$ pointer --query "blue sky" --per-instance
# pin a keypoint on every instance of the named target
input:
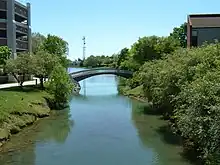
(110, 25)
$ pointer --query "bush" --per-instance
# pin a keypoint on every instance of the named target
(198, 115)
(60, 86)
(186, 86)
(5, 53)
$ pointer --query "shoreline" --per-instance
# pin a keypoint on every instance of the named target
(23, 121)
(21, 108)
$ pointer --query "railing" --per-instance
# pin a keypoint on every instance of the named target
(21, 10)
(23, 45)
(3, 25)
(3, 41)
(92, 69)
(100, 70)
(21, 28)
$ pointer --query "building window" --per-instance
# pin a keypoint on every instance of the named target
(194, 38)
(194, 33)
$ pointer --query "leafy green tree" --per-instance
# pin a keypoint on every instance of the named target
(37, 42)
(57, 46)
(91, 61)
(180, 33)
(60, 86)
(122, 56)
(5, 53)
(152, 48)
(43, 64)
(21, 66)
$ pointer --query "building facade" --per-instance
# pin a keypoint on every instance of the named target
(15, 26)
(202, 28)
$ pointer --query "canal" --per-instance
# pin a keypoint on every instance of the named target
(100, 128)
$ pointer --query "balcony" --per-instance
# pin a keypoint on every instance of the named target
(3, 5)
(22, 45)
(21, 11)
(21, 28)
(3, 26)
(3, 41)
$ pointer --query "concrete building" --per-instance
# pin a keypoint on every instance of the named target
(15, 26)
(201, 28)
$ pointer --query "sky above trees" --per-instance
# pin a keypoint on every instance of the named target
(112, 24)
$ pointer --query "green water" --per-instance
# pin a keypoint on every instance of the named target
(100, 128)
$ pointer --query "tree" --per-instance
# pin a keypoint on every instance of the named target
(60, 86)
(37, 42)
(5, 53)
(180, 33)
(56, 46)
(21, 66)
(122, 56)
(43, 64)
(91, 61)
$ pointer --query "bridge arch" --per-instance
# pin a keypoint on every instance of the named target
(81, 75)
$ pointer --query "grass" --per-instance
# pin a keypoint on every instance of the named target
(138, 91)
(19, 108)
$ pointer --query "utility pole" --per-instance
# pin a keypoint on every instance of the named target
(84, 47)
(84, 57)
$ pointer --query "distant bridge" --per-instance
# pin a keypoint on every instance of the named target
(81, 75)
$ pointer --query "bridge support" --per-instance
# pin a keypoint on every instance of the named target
(77, 88)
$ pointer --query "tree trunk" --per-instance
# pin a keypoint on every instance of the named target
(22, 81)
(42, 82)
(19, 82)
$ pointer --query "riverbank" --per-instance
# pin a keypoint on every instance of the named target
(20, 108)
(138, 94)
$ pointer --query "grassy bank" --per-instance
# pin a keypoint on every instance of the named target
(136, 93)
(20, 108)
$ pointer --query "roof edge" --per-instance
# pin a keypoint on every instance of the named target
(204, 15)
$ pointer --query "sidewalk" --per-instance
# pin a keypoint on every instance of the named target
(33, 82)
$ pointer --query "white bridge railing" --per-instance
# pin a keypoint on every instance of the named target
(100, 70)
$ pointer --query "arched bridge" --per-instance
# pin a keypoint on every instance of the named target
(81, 75)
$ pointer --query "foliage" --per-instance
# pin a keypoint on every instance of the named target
(186, 86)
(5, 53)
(180, 34)
(21, 66)
(92, 61)
(122, 56)
(37, 42)
(183, 84)
(147, 49)
(100, 61)
(151, 48)
(43, 64)
(60, 86)
(56, 46)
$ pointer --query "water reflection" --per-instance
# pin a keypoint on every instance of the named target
(155, 134)
(107, 130)
(55, 128)
(21, 149)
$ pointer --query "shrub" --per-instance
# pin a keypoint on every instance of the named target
(186, 86)
(5, 53)
(60, 86)
(198, 115)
